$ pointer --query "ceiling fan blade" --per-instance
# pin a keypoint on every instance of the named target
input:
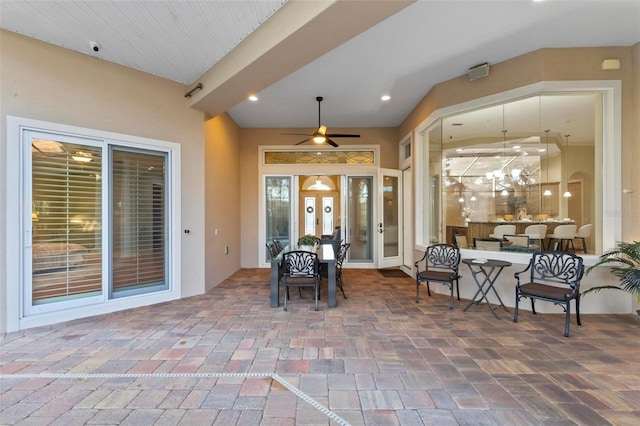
(303, 141)
(332, 143)
(341, 135)
(297, 134)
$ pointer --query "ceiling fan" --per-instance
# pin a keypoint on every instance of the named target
(321, 135)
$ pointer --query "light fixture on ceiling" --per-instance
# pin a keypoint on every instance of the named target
(319, 186)
(253, 98)
(547, 192)
(473, 197)
(319, 138)
(567, 194)
(461, 199)
(385, 97)
(82, 157)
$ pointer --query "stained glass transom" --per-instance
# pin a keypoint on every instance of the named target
(319, 157)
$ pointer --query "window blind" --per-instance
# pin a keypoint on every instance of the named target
(66, 190)
(138, 262)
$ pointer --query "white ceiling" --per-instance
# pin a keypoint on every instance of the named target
(404, 56)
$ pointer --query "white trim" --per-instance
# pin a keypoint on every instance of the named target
(611, 91)
(15, 317)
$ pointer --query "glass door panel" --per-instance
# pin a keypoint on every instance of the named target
(66, 221)
(360, 218)
(278, 210)
(138, 222)
(390, 219)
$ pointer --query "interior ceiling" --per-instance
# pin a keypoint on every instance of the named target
(351, 53)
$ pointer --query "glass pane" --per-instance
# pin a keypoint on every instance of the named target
(432, 138)
(278, 209)
(360, 218)
(309, 215)
(66, 220)
(138, 220)
(512, 163)
(390, 211)
(319, 157)
(327, 215)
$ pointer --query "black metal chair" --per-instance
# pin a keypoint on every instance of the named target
(301, 270)
(340, 258)
(554, 276)
(441, 263)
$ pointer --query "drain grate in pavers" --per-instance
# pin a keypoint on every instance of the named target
(294, 390)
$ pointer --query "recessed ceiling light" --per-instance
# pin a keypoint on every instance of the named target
(253, 98)
(385, 97)
(541, 150)
(516, 147)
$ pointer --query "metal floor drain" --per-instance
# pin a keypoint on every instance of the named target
(303, 396)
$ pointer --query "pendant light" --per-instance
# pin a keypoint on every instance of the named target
(504, 192)
(547, 192)
(567, 194)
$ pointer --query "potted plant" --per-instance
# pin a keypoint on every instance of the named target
(626, 266)
(307, 242)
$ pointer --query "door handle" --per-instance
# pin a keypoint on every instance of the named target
(317, 221)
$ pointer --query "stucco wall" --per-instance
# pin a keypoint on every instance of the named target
(44, 82)
(222, 199)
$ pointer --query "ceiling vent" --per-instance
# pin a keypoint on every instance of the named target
(478, 71)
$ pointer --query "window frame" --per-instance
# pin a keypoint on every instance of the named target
(608, 154)
(16, 317)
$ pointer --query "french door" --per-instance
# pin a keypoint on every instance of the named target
(390, 219)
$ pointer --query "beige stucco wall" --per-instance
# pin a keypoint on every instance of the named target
(44, 82)
(251, 139)
(222, 199)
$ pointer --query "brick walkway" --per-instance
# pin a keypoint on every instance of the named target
(379, 358)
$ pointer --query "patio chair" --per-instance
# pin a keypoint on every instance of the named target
(301, 270)
(441, 263)
(340, 258)
(554, 276)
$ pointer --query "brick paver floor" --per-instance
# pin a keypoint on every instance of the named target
(379, 358)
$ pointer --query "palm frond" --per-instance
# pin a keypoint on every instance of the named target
(625, 261)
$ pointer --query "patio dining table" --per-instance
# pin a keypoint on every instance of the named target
(326, 256)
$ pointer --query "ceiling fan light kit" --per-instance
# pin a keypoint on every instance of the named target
(321, 136)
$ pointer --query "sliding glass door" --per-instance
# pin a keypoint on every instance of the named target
(95, 217)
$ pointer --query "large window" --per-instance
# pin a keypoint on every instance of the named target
(537, 159)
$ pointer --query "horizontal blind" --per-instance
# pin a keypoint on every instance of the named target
(138, 220)
(66, 221)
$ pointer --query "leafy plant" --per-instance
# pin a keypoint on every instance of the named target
(624, 254)
(307, 240)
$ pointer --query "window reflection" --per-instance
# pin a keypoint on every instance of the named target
(494, 164)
